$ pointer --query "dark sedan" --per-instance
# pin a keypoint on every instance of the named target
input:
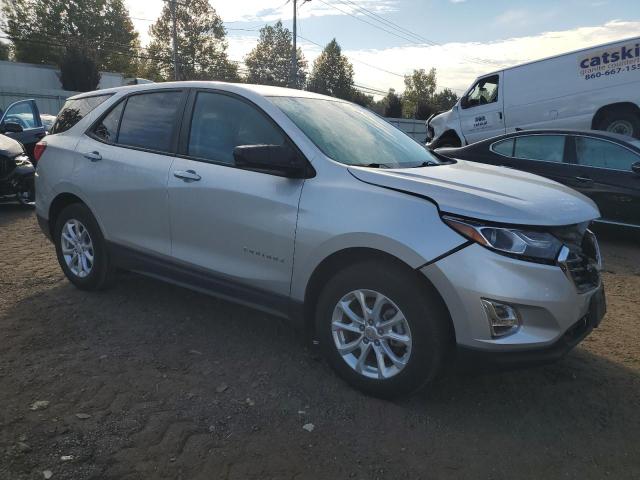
(603, 166)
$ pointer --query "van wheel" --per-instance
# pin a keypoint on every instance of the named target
(449, 142)
(81, 249)
(622, 122)
(381, 329)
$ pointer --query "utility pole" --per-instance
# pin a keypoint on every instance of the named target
(294, 51)
(174, 34)
(293, 77)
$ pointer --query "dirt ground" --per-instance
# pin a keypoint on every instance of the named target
(148, 380)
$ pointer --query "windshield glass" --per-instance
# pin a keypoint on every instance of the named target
(352, 135)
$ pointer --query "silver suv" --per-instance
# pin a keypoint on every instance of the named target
(314, 209)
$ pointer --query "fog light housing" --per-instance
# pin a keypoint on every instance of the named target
(503, 318)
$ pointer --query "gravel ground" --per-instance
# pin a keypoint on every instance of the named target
(148, 380)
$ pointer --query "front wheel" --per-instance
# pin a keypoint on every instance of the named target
(26, 193)
(382, 329)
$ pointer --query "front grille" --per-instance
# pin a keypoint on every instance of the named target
(582, 263)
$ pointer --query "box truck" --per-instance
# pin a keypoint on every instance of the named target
(597, 88)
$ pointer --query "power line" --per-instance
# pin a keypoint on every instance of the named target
(405, 33)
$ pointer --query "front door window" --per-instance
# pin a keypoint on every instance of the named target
(485, 91)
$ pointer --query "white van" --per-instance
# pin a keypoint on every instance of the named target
(592, 89)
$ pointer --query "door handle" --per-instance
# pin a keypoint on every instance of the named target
(93, 156)
(187, 175)
(584, 179)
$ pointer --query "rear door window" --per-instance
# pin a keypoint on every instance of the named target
(593, 152)
(548, 148)
(148, 120)
(75, 110)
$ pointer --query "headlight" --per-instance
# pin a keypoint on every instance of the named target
(22, 160)
(522, 243)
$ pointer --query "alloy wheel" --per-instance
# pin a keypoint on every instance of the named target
(77, 248)
(371, 334)
(621, 127)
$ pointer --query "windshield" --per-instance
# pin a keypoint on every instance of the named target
(352, 135)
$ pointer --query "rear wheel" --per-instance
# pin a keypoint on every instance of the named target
(381, 329)
(621, 121)
(81, 249)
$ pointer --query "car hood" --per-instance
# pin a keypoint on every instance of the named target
(485, 192)
(9, 147)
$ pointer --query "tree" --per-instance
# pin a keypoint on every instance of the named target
(4, 51)
(202, 45)
(78, 70)
(417, 99)
(269, 63)
(361, 98)
(444, 100)
(41, 31)
(392, 105)
(332, 73)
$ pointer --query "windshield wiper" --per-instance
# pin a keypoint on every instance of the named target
(375, 165)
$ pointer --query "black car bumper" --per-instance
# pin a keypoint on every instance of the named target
(474, 359)
(44, 226)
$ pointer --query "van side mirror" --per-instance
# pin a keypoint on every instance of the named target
(635, 168)
(273, 159)
(464, 102)
(11, 127)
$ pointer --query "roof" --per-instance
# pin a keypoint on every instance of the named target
(241, 88)
(629, 141)
(572, 52)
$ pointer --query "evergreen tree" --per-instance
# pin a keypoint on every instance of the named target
(269, 63)
(332, 73)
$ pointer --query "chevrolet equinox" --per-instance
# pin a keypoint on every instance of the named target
(312, 208)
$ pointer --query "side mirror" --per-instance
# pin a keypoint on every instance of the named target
(11, 127)
(274, 159)
(635, 168)
(464, 102)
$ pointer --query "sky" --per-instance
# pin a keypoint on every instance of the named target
(386, 39)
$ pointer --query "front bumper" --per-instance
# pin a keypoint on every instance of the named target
(471, 358)
(554, 315)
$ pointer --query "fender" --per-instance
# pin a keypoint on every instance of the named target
(373, 217)
(446, 122)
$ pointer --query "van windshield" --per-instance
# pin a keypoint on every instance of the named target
(352, 135)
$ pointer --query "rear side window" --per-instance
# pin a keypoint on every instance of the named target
(220, 123)
(75, 110)
(107, 128)
(505, 147)
(549, 148)
(148, 120)
(600, 153)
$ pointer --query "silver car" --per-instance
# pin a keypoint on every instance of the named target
(396, 260)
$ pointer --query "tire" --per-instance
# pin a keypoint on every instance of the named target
(449, 142)
(100, 272)
(623, 121)
(27, 197)
(429, 328)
